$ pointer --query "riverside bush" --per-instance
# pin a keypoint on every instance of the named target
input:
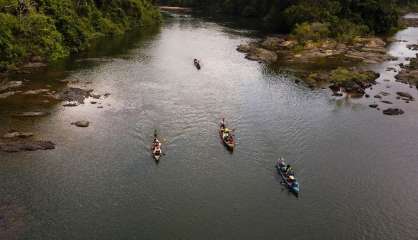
(53, 29)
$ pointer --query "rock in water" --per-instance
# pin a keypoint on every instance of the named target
(405, 95)
(31, 114)
(263, 55)
(83, 124)
(25, 145)
(245, 48)
(70, 104)
(75, 94)
(10, 85)
(393, 111)
(373, 105)
(15, 134)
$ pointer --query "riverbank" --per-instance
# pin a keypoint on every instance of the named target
(287, 51)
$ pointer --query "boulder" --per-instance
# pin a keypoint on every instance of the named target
(95, 96)
(373, 105)
(272, 43)
(245, 48)
(82, 124)
(72, 94)
(263, 55)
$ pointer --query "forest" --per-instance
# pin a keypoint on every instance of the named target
(354, 16)
(47, 30)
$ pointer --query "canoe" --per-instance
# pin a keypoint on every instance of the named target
(292, 186)
(197, 64)
(229, 144)
(155, 154)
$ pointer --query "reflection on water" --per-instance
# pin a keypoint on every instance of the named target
(357, 168)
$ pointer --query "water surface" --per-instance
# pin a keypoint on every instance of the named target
(357, 168)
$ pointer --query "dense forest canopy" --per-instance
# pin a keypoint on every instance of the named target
(52, 29)
(371, 16)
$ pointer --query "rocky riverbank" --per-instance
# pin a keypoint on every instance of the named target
(15, 141)
(69, 93)
(351, 80)
(273, 48)
(345, 67)
(409, 72)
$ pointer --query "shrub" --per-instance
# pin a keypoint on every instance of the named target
(311, 32)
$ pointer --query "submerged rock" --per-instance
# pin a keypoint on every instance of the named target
(11, 146)
(70, 104)
(405, 95)
(31, 114)
(15, 134)
(393, 111)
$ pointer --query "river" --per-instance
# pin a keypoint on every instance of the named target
(357, 168)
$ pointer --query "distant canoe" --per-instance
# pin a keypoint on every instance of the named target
(197, 64)
(230, 144)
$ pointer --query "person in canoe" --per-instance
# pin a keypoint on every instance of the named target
(156, 147)
(289, 170)
(226, 134)
(197, 63)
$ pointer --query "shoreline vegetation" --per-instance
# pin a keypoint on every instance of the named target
(338, 33)
(306, 46)
(34, 33)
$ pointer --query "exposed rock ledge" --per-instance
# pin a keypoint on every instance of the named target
(367, 50)
(14, 141)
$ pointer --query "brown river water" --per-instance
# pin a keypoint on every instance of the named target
(357, 168)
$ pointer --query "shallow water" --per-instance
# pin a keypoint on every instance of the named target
(357, 168)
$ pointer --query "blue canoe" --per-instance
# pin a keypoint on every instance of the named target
(293, 186)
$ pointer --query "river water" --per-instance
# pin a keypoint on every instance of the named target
(357, 168)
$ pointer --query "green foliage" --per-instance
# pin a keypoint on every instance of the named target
(342, 76)
(366, 16)
(53, 29)
(311, 31)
